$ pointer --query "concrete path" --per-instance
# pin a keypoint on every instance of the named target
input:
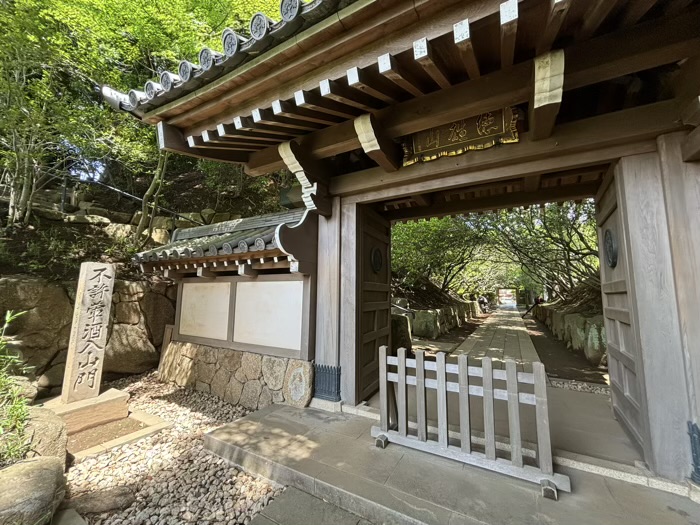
(332, 456)
(295, 507)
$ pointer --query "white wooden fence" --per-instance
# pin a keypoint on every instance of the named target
(466, 452)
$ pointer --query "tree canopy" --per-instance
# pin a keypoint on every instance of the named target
(551, 248)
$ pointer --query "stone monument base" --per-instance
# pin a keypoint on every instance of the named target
(109, 406)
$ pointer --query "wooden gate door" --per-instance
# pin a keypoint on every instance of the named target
(624, 356)
(374, 299)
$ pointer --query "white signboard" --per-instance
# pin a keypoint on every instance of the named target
(204, 310)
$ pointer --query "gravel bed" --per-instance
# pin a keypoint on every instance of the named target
(580, 386)
(173, 478)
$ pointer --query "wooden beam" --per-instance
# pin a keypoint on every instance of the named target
(635, 11)
(691, 147)
(423, 54)
(506, 200)
(644, 46)
(595, 16)
(557, 13)
(246, 270)
(311, 174)
(349, 96)
(312, 101)
(212, 137)
(532, 183)
(204, 272)
(593, 141)
(171, 139)
(509, 32)
(375, 85)
(248, 124)
(691, 113)
(285, 109)
(547, 93)
(381, 149)
(465, 47)
(399, 76)
(198, 142)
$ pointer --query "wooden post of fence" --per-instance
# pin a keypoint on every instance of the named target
(383, 391)
(516, 451)
(401, 395)
(464, 422)
(442, 399)
(489, 424)
(420, 396)
(544, 445)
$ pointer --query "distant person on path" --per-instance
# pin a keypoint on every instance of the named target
(538, 300)
(483, 304)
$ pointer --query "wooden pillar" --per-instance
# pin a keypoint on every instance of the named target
(328, 304)
(349, 225)
(641, 200)
(681, 187)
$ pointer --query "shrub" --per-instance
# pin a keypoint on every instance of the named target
(14, 409)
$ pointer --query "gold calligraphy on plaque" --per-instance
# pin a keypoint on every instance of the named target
(474, 133)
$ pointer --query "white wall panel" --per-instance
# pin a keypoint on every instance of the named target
(205, 309)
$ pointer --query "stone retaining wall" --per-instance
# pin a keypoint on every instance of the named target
(581, 333)
(432, 323)
(140, 312)
(251, 380)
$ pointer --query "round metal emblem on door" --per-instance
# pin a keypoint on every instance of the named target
(376, 259)
(610, 243)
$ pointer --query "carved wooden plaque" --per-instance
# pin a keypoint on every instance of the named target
(88, 337)
(474, 133)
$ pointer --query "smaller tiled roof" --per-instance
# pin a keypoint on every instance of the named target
(240, 236)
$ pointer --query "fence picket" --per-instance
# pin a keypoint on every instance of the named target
(383, 394)
(489, 423)
(544, 446)
(442, 400)
(401, 395)
(421, 415)
(464, 423)
(516, 451)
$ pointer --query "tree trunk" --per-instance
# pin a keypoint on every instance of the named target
(154, 186)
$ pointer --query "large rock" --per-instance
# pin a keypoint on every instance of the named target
(575, 331)
(129, 351)
(298, 383)
(27, 389)
(31, 491)
(208, 215)
(127, 313)
(234, 391)
(220, 381)
(119, 232)
(47, 433)
(99, 501)
(427, 324)
(273, 370)
(400, 332)
(45, 327)
(158, 312)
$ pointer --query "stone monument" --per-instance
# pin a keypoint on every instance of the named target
(88, 338)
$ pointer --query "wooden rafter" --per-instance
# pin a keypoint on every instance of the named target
(398, 75)
(635, 11)
(425, 57)
(171, 139)
(230, 131)
(267, 116)
(465, 47)
(595, 16)
(286, 109)
(547, 93)
(375, 85)
(558, 10)
(349, 96)
(248, 124)
(509, 32)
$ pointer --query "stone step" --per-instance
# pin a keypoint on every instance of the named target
(295, 507)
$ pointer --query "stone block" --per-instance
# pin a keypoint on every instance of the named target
(202, 387)
(251, 394)
(575, 331)
(273, 371)
(160, 236)
(120, 218)
(163, 223)
(220, 381)
(298, 383)
(426, 324)
(229, 359)
(119, 232)
(400, 301)
(31, 491)
(27, 389)
(233, 391)
(188, 220)
(400, 332)
(87, 219)
(265, 397)
(251, 364)
(204, 372)
(111, 405)
(208, 214)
